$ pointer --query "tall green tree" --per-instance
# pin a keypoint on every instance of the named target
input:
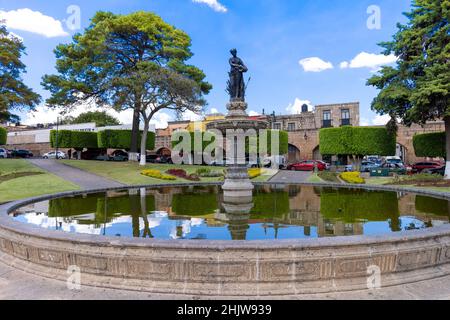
(101, 119)
(14, 94)
(417, 89)
(133, 61)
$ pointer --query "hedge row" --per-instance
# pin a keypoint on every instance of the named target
(74, 139)
(208, 139)
(430, 145)
(108, 139)
(3, 136)
(357, 141)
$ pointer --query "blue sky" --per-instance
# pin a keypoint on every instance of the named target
(272, 37)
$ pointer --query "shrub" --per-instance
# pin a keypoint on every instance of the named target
(3, 136)
(208, 173)
(157, 175)
(357, 141)
(180, 173)
(74, 139)
(121, 139)
(255, 172)
(328, 176)
(352, 177)
(430, 145)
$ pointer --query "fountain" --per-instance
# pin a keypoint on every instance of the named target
(235, 128)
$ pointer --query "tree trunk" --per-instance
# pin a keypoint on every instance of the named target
(143, 161)
(133, 154)
(447, 144)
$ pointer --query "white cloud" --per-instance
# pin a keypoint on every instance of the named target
(364, 122)
(161, 120)
(381, 120)
(369, 60)
(253, 114)
(315, 64)
(34, 22)
(45, 114)
(214, 111)
(296, 107)
(192, 116)
(213, 4)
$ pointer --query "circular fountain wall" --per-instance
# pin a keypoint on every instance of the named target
(286, 240)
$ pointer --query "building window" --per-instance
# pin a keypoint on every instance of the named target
(326, 119)
(277, 126)
(345, 117)
(291, 126)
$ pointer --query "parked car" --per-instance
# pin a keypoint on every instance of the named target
(22, 154)
(280, 162)
(396, 160)
(164, 160)
(439, 170)
(3, 153)
(397, 168)
(52, 155)
(421, 166)
(327, 165)
(103, 157)
(307, 166)
(366, 166)
(119, 155)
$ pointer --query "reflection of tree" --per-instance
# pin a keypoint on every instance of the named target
(198, 202)
(268, 205)
(438, 207)
(147, 231)
(353, 206)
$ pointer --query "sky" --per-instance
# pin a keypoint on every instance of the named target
(297, 51)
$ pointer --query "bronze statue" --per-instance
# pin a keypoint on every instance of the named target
(236, 84)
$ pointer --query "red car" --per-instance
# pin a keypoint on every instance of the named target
(307, 166)
(420, 166)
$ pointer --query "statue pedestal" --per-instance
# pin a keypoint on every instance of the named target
(237, 182)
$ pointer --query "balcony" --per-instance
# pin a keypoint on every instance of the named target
(346, 122)
(326, 124)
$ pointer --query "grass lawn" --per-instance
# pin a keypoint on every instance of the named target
(130, 173)
(39, 183)
(314, 179)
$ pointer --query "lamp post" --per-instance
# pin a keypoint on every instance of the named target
(57, 142)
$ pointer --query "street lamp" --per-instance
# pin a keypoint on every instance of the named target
(57, 142)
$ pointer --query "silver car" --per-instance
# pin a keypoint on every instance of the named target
(52, 155)
(3, 153)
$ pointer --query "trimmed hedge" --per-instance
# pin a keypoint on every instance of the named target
(438, 207)
(283, 145)
(195, 204)
(121, 139)
(74, 139)
(3, 136)
(357, 141)
(430, 145)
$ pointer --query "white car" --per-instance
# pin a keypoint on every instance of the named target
(3, 153)
(52, 155)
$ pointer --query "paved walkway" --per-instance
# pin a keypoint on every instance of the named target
(79, 177)
(285, 176)
(18, 285)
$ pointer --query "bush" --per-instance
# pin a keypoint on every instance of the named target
(3, 136)
(208, 173)
(74, 139)
(430, 145)
(357, 141)
(121, 139)
(352, 177)
(418, 178)
(328, 176)
(157, 175)
(180, 173)
(255, 172)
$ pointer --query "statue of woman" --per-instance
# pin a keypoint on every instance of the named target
(236, 84)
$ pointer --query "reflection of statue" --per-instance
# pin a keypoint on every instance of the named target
(236, 84)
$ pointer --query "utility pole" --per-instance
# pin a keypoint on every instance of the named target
(57, 133)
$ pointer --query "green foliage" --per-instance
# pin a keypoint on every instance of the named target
(14, 94)
(121, 139)
(353, 206)
(430, 145)
(195, 203)
(3, 136)
(417, 89)
(359, 141)
(74, 139)
(328, 176)
(101, 119)
(267, 205)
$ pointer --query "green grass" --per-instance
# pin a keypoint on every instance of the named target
(29, 186)
(130, 173)
(379, 180)
(314, 178)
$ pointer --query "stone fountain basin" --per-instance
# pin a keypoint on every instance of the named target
(224, 268)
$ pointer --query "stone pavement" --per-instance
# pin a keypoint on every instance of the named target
(18, 285)
(285, 176)
(79, 177)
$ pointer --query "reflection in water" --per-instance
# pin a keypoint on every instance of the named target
(273, 212)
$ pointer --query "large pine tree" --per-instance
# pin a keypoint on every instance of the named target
(417, 90)
(14, 94)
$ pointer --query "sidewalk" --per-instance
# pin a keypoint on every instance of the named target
(79, 177)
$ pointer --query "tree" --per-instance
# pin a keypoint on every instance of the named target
(430, 145)
(417, 89)
(357, 142)
(14, 94)
(128, 61)
(101, 119)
